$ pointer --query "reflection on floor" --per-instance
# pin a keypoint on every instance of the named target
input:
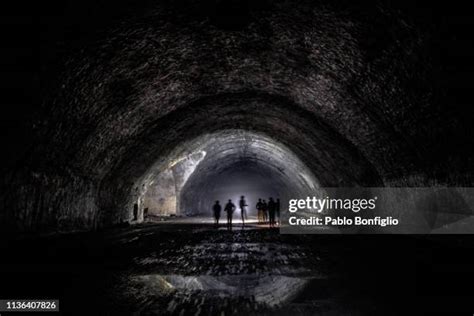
(250, 221)
(184, 268)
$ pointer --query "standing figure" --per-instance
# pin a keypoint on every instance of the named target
(258, 206)
(135, 212)
(277, 207)
(217, 212)
(271, 211)
(229, 208)
(264, 211)
(243, 211)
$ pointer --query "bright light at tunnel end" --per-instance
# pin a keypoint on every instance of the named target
(222, 166)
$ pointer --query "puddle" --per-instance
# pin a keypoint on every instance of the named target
(269, 290)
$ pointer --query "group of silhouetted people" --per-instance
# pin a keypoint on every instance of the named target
(267, 212)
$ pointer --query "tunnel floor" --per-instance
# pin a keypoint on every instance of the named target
(195, 269)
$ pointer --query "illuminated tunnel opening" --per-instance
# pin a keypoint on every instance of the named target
(221, 166)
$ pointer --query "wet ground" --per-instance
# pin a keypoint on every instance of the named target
(196, 269)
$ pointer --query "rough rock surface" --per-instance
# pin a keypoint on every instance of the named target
(358, 92)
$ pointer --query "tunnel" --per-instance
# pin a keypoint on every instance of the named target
(304, 76)
(219, 164)
(145, 113)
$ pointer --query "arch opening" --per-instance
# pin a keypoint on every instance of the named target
(220, 166)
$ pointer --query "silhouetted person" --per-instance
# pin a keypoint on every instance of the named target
(271, 211)
(217, 208)
(229, 208)
(243, 211)
(264, 211)
(259, 207)
(277, 209)
(135, 211)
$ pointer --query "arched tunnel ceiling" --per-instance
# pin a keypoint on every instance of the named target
(219, 151)
(322, 149)
(231, 147)
(312, 58)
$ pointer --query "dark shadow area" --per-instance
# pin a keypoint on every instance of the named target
(124, 271)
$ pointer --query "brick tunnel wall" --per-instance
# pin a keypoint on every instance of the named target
(362, 94)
